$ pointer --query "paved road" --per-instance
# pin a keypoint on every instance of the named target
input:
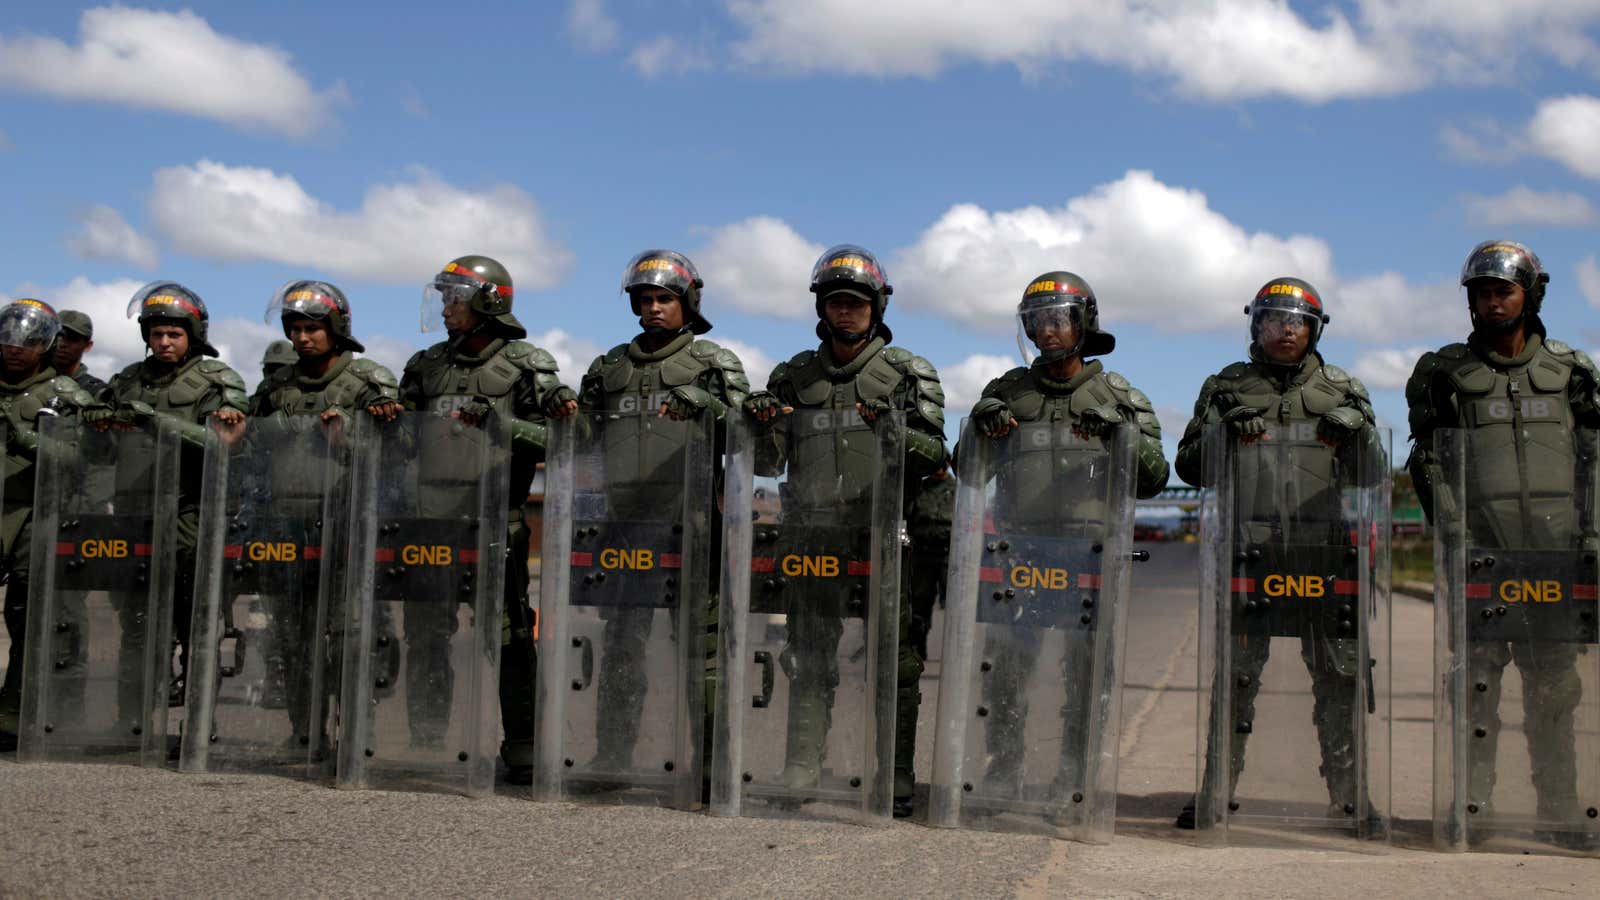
(80, 829)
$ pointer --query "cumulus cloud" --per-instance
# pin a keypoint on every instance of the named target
(1567, 129)
(573, 354)
(665, 54)
(1524, 206)
(174, 62)
(1589, 280)
(240, 343)
(756, 265)
(964, 381)
(1387, 369)
(591, 26)
(758, 364)
(103, 234)
(116, 340)
(401, 233)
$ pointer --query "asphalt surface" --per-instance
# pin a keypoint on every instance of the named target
(95, 830)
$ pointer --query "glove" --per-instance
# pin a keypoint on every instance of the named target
(761, 402)
(96, 414)
(558, 398)
(1245, 421)
(135, 412)
(875, 407)
(992, 416)
(687, 401)
(1340, 425)
(1099, 421)
(478, 409)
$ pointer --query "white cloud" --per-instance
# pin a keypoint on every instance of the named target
(240, 343)
(117, 342)
(965, 380)
(757, 363)
(401, 233)
(173, 62)
(573, 354)
(1567, 130)
(755, 266)
(1524, 206)
(665, 54)
(104, 234)
(1589, 280)
(591, 26)
(1387, 369)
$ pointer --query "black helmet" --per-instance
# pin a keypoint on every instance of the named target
(1062, 294)
(28, 323)
(1284, 296)
(671, 270)
(317, 300)
(1507, 261)
(479, 281)
(170, 303)
(850, 269)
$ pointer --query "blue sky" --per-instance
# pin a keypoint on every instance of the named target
(1176, 154)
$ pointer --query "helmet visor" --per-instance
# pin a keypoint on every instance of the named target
(444, 292)
(660, 268)
(847, 262)
(1504, 261)
(166, 300)
(1051, 327)
(28, 323)
(311, 299)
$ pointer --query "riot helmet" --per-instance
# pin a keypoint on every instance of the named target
(1511, 262)
(850, 269)
(673, 271)
(1057, 299)
(170, 303)
(317, 300)
(28, 323)
(481, 283)
(277, 355)
(1282, 303)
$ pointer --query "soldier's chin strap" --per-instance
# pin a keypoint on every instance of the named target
(826, 330)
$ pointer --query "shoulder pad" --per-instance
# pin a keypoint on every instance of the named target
(1118, 383)
(218, 371)
(1357, 388)
(1138, 400)
(896, 356)
(780, 372)
(515, 349)
(1207, 390)
(1454, 351)
(1581, 360)
(803, 358)
(701, 349)
(65, 386)
(129, 371)
(527, 356)
(1559, 348)
(1234, 370)
(372, 371)
(415, 358)
(1335, 374)
(616, 353)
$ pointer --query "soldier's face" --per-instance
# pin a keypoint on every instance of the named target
(168, 343)
(69, 349)
(659, 308)
(310, 338)
(459, 316)
(847, 312)
(1284, 337)
(21, 360)
(1495, 301)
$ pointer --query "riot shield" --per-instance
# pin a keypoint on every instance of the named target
(806, 706)
(272, 519)
(623, 655)
(425, 580)
(1031, 686)
(99, 654)
(1516, 747)
(1294, 714)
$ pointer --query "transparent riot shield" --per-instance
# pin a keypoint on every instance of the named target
(1294, 714)
(623, 656)
(425, 580)
(1517, 682)
(806, 705)
(99, 655)
(1031, 686)
(267, 594)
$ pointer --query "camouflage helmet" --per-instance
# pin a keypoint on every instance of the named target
(317, 300)
(1507, 261)
(1058, 294)
(1285, 296)
(170, 303)
(851, 269)
(278, 353)
(28, 323)
(671, 270)
(480, 282)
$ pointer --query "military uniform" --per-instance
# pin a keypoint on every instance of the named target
(1283, 395)
(21, 405)
(91, 385)
(1032, 395)
(630, 382)
(1523, 412)
(514, 380)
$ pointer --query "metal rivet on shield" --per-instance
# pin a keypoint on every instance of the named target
(1472, 807)
(137, 730)
(983, 711)
(1481, 732)
(1244, 681)
(383, 682)
(966, 786)
(1077, 796)
(1488, 562)
(747, 778)
(1349, 809)
(855, 781)
(1351, 552)
(1592, 812)
(318, 523)
(383, 640)
(462, 756)
(669, 596)
(213, 739)
(991, 546)
(998, 596)
(49, 728)
(63, 627)
(1242, 728)
(368, 752)
(577, 685)
(1475, 565)
(672, 582)
(567, 763)
(599, 577)
(1086, 618)
(1488, 614)
(1482, 687)
(305, 740)
(1233, 806)
(1499, 610)
(985, 666)
(667, 765)
(1010, 593)
(1005, 545)
(1098, 548)
(1255, 553)
(1088, 602)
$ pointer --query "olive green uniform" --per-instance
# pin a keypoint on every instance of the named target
(287, 401)
(630, 382)
(879, 375)
(515, 378)
(21, 404)
(1286, 395)
(88, 382)
(1523, 413)
(1027, 500)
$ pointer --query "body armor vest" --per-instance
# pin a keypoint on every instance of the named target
(643, 450)
(449, 381)
(177, 394)
(20, 404)
(832, 450)
(300, 466)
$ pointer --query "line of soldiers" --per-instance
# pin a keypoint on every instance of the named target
(851, 438)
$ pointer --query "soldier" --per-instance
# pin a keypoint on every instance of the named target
(666, 371)
(325, 380)
(76, 339)
(1058, 317)
(1521, 458)
(181, 381)
(278, 355)
(483, 369)
(29, 388)
(1286, 383)
(853, 370)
